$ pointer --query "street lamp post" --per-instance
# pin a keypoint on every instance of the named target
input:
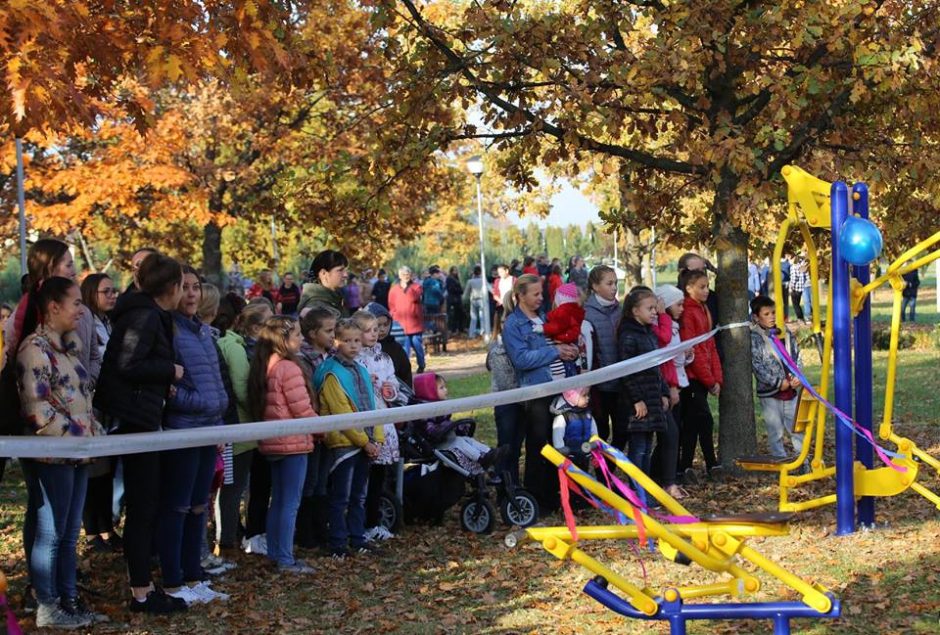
(475, 166)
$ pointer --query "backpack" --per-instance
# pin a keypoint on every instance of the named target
(12, 423)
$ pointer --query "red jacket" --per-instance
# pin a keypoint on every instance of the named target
(695, 321)
(554, 281)
(663, 331)
(563, 324)
(287, 398)
(405, 307)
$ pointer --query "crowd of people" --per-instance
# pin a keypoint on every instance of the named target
(173, 352)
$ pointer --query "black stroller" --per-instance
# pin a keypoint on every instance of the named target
(432, 480)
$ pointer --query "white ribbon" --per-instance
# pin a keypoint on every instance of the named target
(119, 444)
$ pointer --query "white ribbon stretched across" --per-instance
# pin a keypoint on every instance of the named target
(118, 444)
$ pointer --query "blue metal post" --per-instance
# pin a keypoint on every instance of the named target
(842, 364)
(863, 366)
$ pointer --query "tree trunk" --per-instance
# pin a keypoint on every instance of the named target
(634, 251)
(737, 435)
(212, 254)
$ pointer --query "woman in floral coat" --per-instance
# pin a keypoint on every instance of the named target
(56, 394)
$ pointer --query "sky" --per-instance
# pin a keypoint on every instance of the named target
(569, 207)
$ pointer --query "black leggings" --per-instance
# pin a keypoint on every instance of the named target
(97, 516)
(697, 425)
(604, 410)
(541, 477)
(142, 499)
(259, 494)
(666, 454)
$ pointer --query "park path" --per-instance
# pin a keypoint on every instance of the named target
(453, 365)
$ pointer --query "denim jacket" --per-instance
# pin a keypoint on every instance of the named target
(528, 350)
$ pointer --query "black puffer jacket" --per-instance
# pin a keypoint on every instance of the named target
(633, 340)
(138, 365)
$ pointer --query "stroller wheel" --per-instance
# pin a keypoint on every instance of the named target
(391, 514)
(478, 516)
(521, 509)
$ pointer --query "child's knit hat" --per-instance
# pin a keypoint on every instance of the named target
(574, 395)
(669, 294)
(567, 293)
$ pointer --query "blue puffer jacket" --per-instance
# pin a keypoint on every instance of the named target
(200, 398)
(528, 350)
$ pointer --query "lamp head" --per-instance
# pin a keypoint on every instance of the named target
(475, 166)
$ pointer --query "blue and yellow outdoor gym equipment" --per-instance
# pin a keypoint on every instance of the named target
(718, 544)
(813, 203)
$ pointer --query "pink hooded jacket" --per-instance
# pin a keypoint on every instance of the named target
(287, 398)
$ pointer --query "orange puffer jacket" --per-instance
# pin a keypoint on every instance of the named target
(287, 398)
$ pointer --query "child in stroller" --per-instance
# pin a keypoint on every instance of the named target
(447, 434)
(443, 457)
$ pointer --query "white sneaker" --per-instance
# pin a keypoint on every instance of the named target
(383, 534)
(188, 595)
(371, 534)
(204, 591)
(256, 544)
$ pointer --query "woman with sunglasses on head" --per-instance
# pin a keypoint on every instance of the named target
(99, 295)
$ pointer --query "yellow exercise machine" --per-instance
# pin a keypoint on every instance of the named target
(716, 543)
(809, 201)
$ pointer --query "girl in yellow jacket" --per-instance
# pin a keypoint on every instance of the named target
(345, 387)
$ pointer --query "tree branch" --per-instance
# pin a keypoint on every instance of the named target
(538, 123)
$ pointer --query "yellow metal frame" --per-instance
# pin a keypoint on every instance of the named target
(712, 545)
(807, 207)
(913, 258)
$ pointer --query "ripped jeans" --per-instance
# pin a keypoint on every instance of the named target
(184, 497)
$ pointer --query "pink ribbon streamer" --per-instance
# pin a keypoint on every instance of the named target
(667, 518)
(846, 419)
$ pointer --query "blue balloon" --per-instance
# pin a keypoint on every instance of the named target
(860, 241)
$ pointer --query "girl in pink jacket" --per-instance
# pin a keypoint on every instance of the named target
(278, 390)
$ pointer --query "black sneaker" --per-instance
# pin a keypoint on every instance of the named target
(30, 603)
(367, 549)
(99, 545)
(157, 602)
(690, 477)
(76, 606)
(716, 473)
(116, 543)
(339, 556)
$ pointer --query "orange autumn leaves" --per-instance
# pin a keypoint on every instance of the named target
(59, 57)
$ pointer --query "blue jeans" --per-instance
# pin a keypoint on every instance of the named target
(476, 318)
(287, 483)
(641, 450)
(779, 416)
(908, 302)
(184, 498)
(318, 471)
(59, 490)
(416, 341)
(350, 479)
(808, 302)
(511, 432)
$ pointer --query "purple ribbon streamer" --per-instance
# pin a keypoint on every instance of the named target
(840, 415)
